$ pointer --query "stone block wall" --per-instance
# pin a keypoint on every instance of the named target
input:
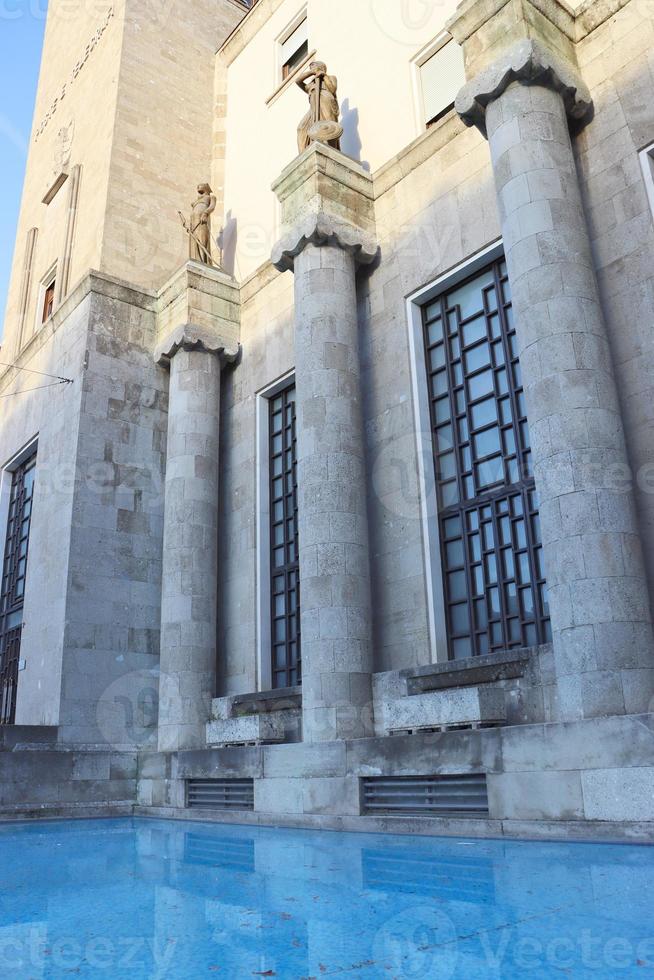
(591, 779)
(113, 605)
(50, 782)
(616, 63)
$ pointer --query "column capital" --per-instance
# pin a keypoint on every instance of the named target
(199, 308)
(327, 199)
(190, 337)
(531, 63)
(324, 229)
(527, 41)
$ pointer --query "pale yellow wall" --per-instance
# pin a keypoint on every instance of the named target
(370, 45)
(89, 101)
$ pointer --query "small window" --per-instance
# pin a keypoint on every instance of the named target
(48, 301)
(295, 48)
(47, 297)
(647, 163)
(441, 76)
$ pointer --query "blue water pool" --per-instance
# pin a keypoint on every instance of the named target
(178, 901)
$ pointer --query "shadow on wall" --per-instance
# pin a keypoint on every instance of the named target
(227, 243)
(351, 143)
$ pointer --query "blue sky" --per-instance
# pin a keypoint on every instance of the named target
(21, 36)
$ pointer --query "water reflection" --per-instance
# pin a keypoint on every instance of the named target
(171, 901)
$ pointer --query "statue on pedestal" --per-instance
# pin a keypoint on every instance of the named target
(320, 125)
(199, 230)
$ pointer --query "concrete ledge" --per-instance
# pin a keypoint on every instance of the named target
(463, 673)
(580, 831)
(247, 728)
(438, 709)
(260, 702)
(68, 811)
(23, 736)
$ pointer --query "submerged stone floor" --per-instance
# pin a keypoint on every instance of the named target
(144, 898)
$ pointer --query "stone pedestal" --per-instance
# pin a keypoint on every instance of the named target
(195, 355)
(522, 98)
(327, 211)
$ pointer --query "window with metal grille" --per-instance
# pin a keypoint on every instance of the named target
(284, 556)
(220, 794)
(464, 795)
(12, 590)
(495, 589)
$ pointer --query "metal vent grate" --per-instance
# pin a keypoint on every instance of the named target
(465, 795)
(220, 794)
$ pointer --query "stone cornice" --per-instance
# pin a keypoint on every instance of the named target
(190, 337)
(94, 282)
(324, 229)
(471, 15)
(594, 13)
(529, 62)
(250, 26)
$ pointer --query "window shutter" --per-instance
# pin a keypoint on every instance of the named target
(295, 41)
(442, 76)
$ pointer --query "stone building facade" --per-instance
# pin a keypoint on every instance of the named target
(354, 526)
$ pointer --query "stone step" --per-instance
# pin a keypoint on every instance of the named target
(257, 703)
(246, 730)
(469, 706)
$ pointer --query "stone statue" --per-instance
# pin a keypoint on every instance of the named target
(199, 230)
(320, 125)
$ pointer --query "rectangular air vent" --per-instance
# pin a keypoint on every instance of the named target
(220, 794)
(436, 796)
(227, 853)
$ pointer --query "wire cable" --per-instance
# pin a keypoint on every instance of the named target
(56, 377)
(23, 391)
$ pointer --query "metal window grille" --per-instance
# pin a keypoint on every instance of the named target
(284, 555)
(220, 794)
(464, 795)
(12, 589)
(495, 588)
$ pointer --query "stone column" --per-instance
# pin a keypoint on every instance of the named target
(599, 601)
(324, 248)
(189, 593)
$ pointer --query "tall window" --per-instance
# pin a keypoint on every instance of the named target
(495, 591)
(12, 593)
(285, 573)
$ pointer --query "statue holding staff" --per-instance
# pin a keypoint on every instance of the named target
(320, 125)
(199, 230)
